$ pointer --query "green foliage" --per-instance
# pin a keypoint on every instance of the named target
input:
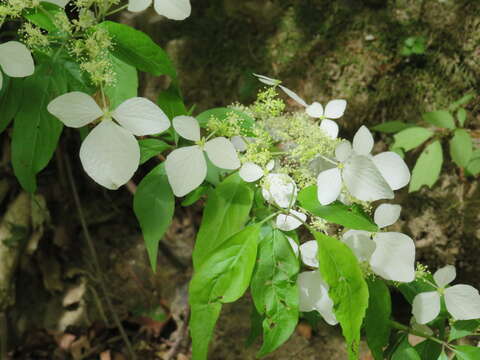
(377, 319)
(10, 94)
(461, 147)
(274, 289)
(410, 138)
(462, 328)
(428, 167)
(391, 127)
(222, 114)
(351, 217)
(473, 167)
(414, 45)
(405, 351)
(43, 17)
(428, 349)
(466, 352)
(154, 205)
(226, 212)
(126, 84)
(139, 50)
(171, 102)
(348, 289)
(440, 118)
(203, 318)
(150, 148)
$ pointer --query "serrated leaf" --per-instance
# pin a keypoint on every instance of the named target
(411, 138)
(461, 147)
(351, 217)
(440, 118)
(226, 213)
(428, 167)
(390, 127)
(154, 204)
(348, 289)
(461, 116)
(139, 50)
(150, 148)
(274, 289)
(226, 274)
(463, 328)
(377, 319)
(126, 82)
(466, 352)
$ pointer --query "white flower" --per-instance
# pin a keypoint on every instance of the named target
(462, 301)
(251, 172)
(294, 245)
(314, 295)
(309, 253)
(290, 222)
(334, 109)
(367, 178)
(15, 60)
(61, 3)
(110, 154)
(186, 167)
(391, 255)
(279, 189)
(172, 9)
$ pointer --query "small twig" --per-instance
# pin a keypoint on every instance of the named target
(132, 187)
(95, 260)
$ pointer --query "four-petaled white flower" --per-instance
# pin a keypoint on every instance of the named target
(186, 167)
(110, 154)
(279, 189)
(251, 172)
(391, 255)
(290, 222)
(314, 295)
(462, 301)
(334, 109)
(172, 9)
(61, 3)
(366, 177)
(15, 60)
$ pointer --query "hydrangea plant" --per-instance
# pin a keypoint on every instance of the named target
(294, 215)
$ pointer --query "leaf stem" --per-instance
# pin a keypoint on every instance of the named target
(96, 263)
(117, 10)
(401, 327)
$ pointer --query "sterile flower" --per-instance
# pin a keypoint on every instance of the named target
(289, 222)
(186, 167)
(366, 177)
(239, 143)
(334, 109)
(391, 255)
(314, 295)
(110, 154)
(251, 172)
(461, 301)
(172, 9)
(61, 3)
(279, 189)
(309, 253)
(15, 60)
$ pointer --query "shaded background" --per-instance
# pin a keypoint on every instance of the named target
(322, 49)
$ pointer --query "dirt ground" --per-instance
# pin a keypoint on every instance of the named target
(323, 49)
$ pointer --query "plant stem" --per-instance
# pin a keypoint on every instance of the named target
(116, 10)
(95, 260)
(401, 327)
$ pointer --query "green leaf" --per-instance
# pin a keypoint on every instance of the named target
(203, 318)
(405, 351)
(428, 349)
(473, 167)
(171, 102)
(463, 328)
(222, 114)
(126, 83)
(274, 289)
(377, 319)
(154, 205)
(36, 131)
(412, 289)
(440, 118)
(428, 167)
(195, 195)
(10, 100)
(150, 148)
(255, 326)
(390, 127)
(466, 352)
(351, 217)
(411, 138)
(443, 356)
(226, 274)
(461, 147)
(461, 116)
(139, 50)
(226, 213)
(462, 101)
(348, 289)
(43, 17)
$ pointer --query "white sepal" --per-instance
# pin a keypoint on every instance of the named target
(141, 117)
(315, 110)
(294, 246)
(309, 253)
(222, 153)
(266, 80)
(16, 60)
(239, 143)
(393, 169)
(289, 223)
(335, 109)
(426, 306)
(186, 169)
(361, 244)
(110, 155)
(329, 185)
(138, 5)
(293, 95)
(187, 127)
(281, 189)
(61, 3)
(250, 172)
(363, 141)
(173, 9)
(463, 302)
(445, 275)
(387, 214)
(75, 109)
(330, 128)
(343, 151)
